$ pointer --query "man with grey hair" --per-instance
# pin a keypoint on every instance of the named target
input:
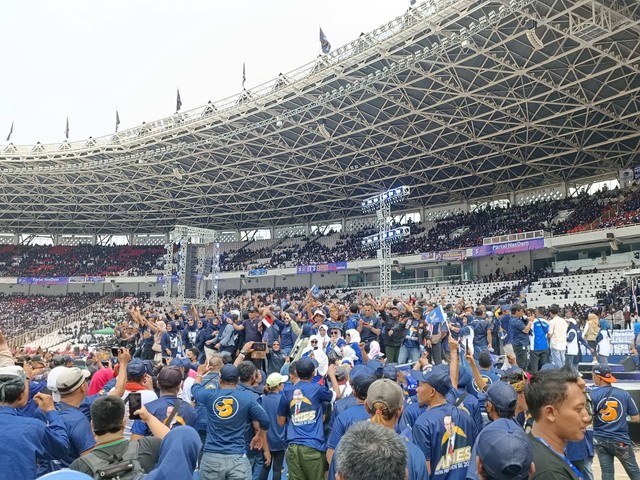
(364, 442)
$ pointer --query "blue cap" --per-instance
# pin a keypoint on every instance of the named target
(438, 378)
(136, 368)
(178, 362)
(375, 366)
(548, 366)
(305, 367)
(505, 450)
(66, 474)
(362, 382)
(390, 372)
(229, 373)
(503, 396)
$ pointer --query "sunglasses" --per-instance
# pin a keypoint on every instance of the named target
(334, 333)
(314, 341)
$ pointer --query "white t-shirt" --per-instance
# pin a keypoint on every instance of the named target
(147, 396)
(185, 393)
(558, 333)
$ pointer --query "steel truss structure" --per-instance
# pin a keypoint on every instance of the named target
(451, 99)
(206, 264)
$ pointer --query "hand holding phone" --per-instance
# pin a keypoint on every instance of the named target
(135, 403)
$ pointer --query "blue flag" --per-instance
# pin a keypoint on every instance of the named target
(324, 43)
(436, 316)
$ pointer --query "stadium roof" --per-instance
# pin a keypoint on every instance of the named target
(459, 99)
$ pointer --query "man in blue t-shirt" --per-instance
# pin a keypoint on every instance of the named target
(444, 433)
(520, 327)
(611, 406)
(539, 354)
(302, 409)
(169, 381)
(482, 336)
(369, 325)
(72, 387)
(229, 411)
(358, 413)
(410, 348)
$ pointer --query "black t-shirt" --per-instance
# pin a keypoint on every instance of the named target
(549, 465)
(148, 453)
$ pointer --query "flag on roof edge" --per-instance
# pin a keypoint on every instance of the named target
(10, 132)
(66, 130)
(324, 42)
(178, 101)
(117, 120)
(244, 74)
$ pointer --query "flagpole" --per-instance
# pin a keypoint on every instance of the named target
(10, 132)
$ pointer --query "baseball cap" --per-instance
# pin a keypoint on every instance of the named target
(503, 396)
(319, 311)
(305, 367)
(38, 359)
(276, 379)
(604, 372)
(341, 372)
(436, 377)
(136, 369)
(229, 373)
(361, 382)
(375, 366)
(71, 379)
(387, 392)
(11, 376)
(169, 377)
(390, 372)
(505, 450)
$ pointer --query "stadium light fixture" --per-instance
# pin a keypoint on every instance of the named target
(389, 197)
(390, 236)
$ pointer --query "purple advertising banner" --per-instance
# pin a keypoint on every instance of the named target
(321, 268)
(161, 278)
(42, 280)
(508, 247)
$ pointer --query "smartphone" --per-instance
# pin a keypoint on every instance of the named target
(260, 346)
(104, 363)
(115, 351)
(466, 341)
(135, 404)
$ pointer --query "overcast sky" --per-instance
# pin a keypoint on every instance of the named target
(85, 58)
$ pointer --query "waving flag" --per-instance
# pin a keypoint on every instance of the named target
(10, 132)
(178, 101)
(117, 119)
(436, 315)
(324, 42)
(66, 130)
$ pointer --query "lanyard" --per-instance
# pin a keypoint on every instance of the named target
(563, 457)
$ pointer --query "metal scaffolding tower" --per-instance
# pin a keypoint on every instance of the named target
(381, 203)
(191, 274)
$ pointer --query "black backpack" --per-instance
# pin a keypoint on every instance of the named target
(116, 467)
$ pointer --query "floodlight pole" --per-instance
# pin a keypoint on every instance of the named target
(382, 204)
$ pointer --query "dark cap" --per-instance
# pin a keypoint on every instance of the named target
(505, 451)
(169, 377)
(362, 382)
(305, 367)
(438, 378)
(38, 359)
(229, 373)
(604, 372)
(503, 396)
(136, 369)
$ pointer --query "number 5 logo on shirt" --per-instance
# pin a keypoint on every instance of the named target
(609, 410)
(225, 407)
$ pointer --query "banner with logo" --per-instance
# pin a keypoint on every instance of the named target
(86, 279)
(256, 272)
(508, 247)
(42, 280)
(454, 255)
(321, 268)
(162, 278)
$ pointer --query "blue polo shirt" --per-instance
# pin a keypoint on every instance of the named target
(340, 406)
(517, 325)
(367, 335)
(611, 406)
(161, 409)
(480, 329)
(24, 439)
(277, 435)
(540, 328)
(211, 381)
(229, 411)
(303, 406)
(79, 431)
(445, 434)
(410, 415)
(352, 415)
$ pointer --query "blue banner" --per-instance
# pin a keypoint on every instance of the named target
(42, 280)
(256, 272)
(321, 268)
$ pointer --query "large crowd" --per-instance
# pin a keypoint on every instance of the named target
(299, 385)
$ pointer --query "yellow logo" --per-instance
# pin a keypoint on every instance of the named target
(609, 411)
(225, 407)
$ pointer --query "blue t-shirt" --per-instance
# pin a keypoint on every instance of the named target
(277, 435)
(303, 406)
(410, 415)
(611, 405)
(161, 409)
(445, 434)
(347, 418)
(367, 335)
(480, 329)
(229, 411)
(211, 381)
(505, 329)
(412, 334)
(517, 325)
(540, 328)
(79, 431)
(340, 406)
(470, 404)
